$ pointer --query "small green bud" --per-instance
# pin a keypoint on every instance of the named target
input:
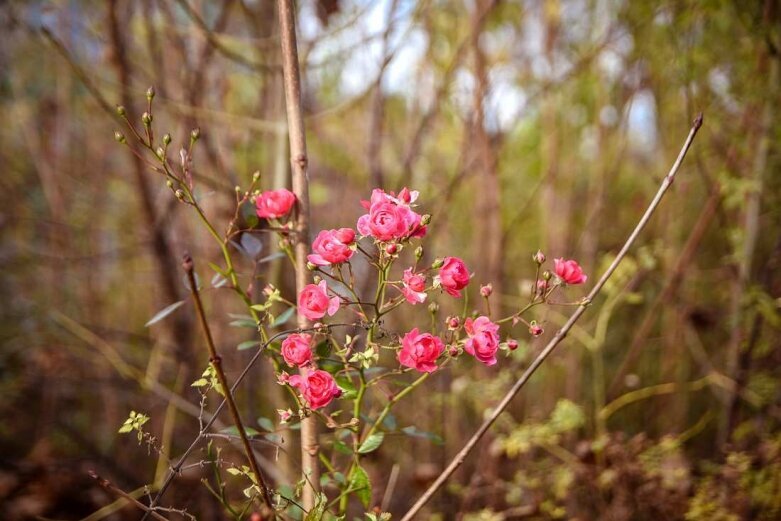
(195, 134)
(150, 93)
(146, 119)
(167, 139)
(433, 308)
(255, 177)
(316, 279)
(121, 110)
(547, 275)
(119, 137)
(169, 184)
(310, 266)
(425, 220)
(179, 194)
(160, 152)
(418, 252)
(237, 188)
(438, 263)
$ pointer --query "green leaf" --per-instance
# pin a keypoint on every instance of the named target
(417, 433)
(244, 322)
(340, 446)
(266, 424)
(127, 427)
(200, 382)
(218, 269)
(389, 422)
(273, 256)
(284, 317)
(249, 344)
(347, 386)
(232, 430)
(316, 513)
(359, 482)
(218, 281)
(160, 315)
(371, 443)
(233, 471)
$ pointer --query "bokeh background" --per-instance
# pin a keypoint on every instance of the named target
(525, 124)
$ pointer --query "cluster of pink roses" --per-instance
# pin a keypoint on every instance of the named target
(317, 387)
(390, 220)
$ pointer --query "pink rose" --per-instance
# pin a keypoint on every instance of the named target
(332, 247)
(297, 349)
(483, 339)
(275, 203)
(414, 287)
(314, 303)
(390, 217)
(317, 387)
(420, 351)
(384, 222)
(453, 276)
(569, 271)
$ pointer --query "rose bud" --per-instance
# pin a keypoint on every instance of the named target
(486, 290)
(535, 329)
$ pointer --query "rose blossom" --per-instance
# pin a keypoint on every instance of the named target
(420, 351)
(569, 271)
(414, 287)
(297, 349)
(332, 247)
(390, 217)
(314, 303)
(317, 387)
(453, 276)
(275, 203)
(483, 340)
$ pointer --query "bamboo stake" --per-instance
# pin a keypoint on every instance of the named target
(299, 163)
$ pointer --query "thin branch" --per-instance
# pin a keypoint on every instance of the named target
(560, 334)
(216, 362)
(124, 495)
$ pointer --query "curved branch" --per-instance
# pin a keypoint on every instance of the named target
(560, 334)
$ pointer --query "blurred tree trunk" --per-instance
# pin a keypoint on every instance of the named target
(488, 217)
(768, 67)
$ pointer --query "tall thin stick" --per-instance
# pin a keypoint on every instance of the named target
(216, 361)
(299, 163)
(560, 334)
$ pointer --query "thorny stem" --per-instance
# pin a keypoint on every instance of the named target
(560, 334)
(216, 362)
